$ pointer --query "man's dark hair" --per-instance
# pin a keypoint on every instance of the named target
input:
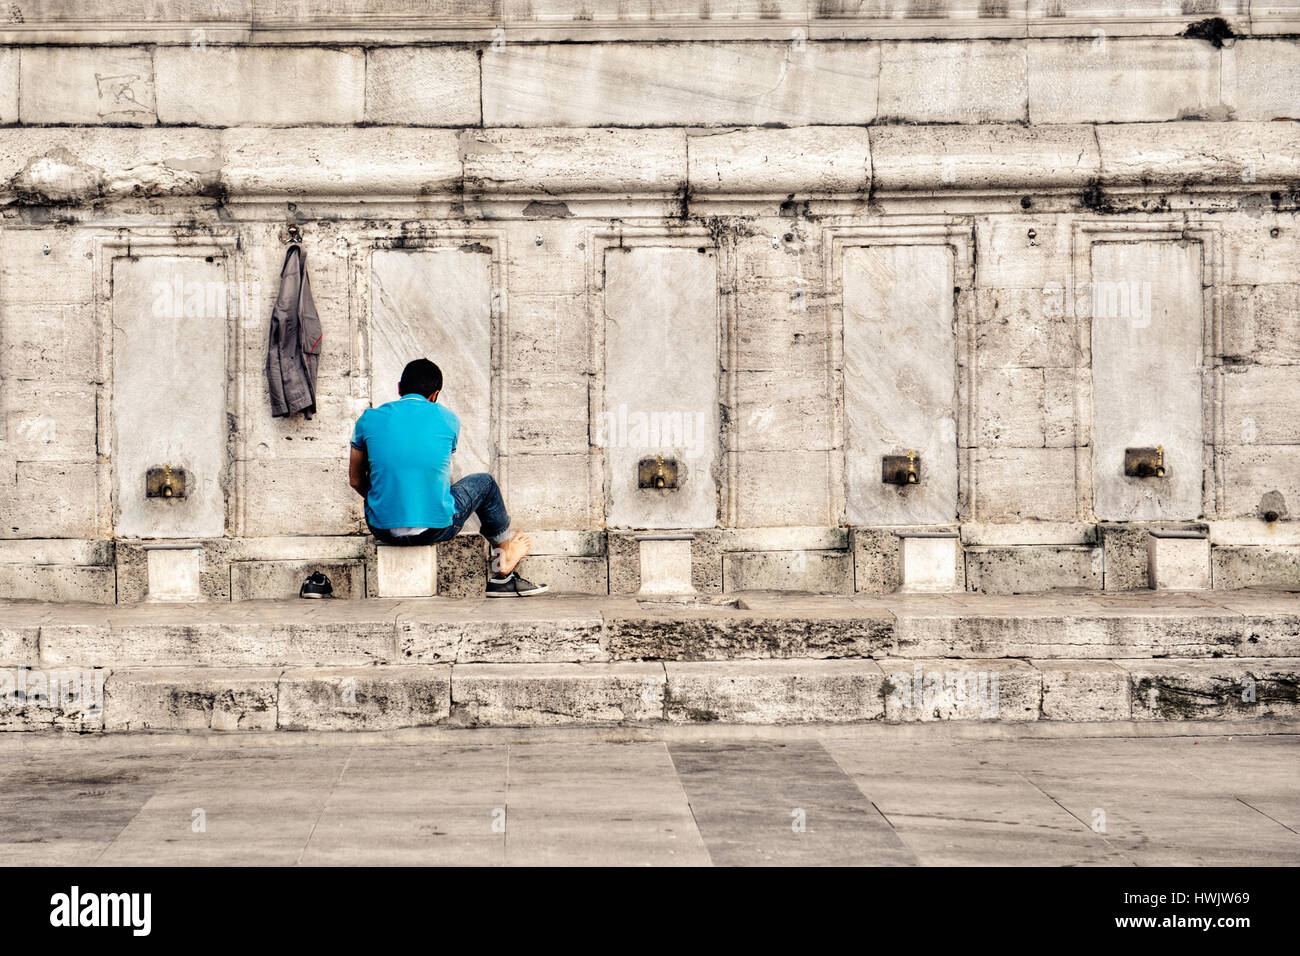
(420, 377)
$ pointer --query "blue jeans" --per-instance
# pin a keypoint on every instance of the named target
(475, 494)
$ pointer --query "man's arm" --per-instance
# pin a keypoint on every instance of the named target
(359, 471)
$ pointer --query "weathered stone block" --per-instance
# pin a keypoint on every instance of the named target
(383, 160)
(1178, 154)
(9, 73)
(1011, 408)
(567, 574)
(547, 412)
(1125, 558)
(132, 560)
(83, 164)
(547, 491)
(462, 566)
(810, 160)
(46, 422)
(422, 86)
(1026, 328)
(1025, 483)
(821, 572)
(263, 580)
(295, 436)
(529, 695)
(1261, 79)
(47, 343)
(679, 84)
(275, 490)
(1259, 405)
(163, 698)
(364, 698)
(544, 162)
(557, 267)
(1256, 249)
(548, 333)
(55, 582)
(254, 86)
(1059, 626)
(18, 641)
(775, 692)
(906, 158)
(1084, 690)
(876, 568)
(50, 500)
(926, 690)
(805, 502)
(779, 326)
(87, 84)
(1040, 267)
(961, 81)
(1019, 569)
(38, 699)
(332, 632)
(784, 409)
(1261, 323)
(690, 634)
(1222, 689)
(500, 632)
(1264, 566)
(1260, 478)
(1122, 80)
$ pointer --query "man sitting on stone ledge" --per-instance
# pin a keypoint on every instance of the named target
(401, 464)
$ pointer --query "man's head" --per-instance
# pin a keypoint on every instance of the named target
(421, 377)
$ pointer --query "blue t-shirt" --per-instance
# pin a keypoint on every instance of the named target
(408, 444)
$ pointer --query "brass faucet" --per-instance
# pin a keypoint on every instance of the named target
(167, 481)
(911, 466)
(659, 471)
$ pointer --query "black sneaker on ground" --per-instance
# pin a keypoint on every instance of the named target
(513, 586)
(316, 586)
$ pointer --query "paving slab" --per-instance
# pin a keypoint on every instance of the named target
(782, 804)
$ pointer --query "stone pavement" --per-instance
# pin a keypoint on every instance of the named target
(928, 795)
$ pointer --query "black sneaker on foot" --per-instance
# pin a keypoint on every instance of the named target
(513, 586)
(316, 586)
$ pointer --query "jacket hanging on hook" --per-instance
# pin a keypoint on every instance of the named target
(294, 348)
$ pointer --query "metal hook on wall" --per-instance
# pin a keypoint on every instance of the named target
(295, 234)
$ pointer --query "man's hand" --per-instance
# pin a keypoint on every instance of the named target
(359, 471)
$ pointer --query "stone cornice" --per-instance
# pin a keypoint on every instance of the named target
(484, 21)
(73, 166)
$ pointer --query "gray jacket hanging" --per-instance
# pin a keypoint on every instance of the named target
(294, 349)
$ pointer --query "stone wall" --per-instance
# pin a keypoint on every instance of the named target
(773, 243)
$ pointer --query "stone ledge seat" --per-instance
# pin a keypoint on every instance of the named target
(406, 570)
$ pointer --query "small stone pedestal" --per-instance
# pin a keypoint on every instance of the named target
(929, 561)
(406, 571)
(1178, 560)
(665, 565)
(174, 572)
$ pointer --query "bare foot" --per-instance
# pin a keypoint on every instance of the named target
(513, 551)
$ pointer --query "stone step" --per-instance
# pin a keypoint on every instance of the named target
(635, 693)
(571, 629)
